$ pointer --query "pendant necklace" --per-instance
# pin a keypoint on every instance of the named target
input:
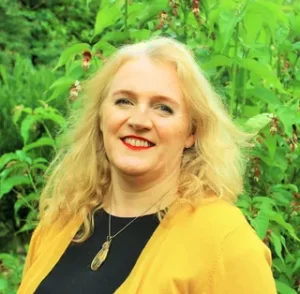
(102, 254)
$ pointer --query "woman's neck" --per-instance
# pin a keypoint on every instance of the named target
(132, 197)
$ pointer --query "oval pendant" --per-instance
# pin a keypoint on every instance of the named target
(101, 255)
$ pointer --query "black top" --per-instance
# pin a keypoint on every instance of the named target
(73, 274)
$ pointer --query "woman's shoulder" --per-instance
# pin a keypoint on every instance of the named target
(217, 224)
(217, 218)
(217, 209)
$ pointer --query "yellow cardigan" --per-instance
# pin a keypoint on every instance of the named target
(209, 250)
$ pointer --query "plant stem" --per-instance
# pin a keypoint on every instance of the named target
(296, 60)
(24, 197)
(278, 65)
(31, 180)
(126, 18)
(295, 175)
(49, 135)
(185, 10)
(233, 97)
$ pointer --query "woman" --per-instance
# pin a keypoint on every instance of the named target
(140, 196)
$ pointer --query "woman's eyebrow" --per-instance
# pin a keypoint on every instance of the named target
(155, 97)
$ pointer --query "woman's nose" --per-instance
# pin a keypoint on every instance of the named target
(140, 119)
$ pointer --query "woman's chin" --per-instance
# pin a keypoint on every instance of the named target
(134, 169)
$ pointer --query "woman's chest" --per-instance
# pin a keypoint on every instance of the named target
(172, 265)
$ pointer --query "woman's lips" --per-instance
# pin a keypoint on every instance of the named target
(137, 138)
(136, 147)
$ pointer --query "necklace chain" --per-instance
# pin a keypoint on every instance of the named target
(102, 254)
(110, 237)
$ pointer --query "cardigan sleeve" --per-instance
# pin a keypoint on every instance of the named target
(245, 263)
(33, 248)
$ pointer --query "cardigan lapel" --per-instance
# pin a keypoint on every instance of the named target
(58, 238)
(131, 285)
(54, 244)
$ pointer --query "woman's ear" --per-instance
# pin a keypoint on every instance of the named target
(100, 120)
(100, 124)
(190, 141)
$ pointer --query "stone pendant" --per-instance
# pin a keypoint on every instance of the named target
(101, 255)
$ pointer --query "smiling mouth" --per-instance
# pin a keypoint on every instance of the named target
(137, 144)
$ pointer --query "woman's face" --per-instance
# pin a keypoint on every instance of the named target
(145, 121)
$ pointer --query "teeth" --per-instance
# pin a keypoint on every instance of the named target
(137, 143)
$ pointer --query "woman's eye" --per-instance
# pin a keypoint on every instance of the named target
(166, 108)
(123, 101)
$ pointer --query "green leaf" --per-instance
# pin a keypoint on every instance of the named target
(106, 48)
(227, 23)
(7, 185)
(17, 114)
(27, 227)
(275, 239)
(40, 160)
(76, 71)
(261, 70)
(251, 110)
(281, 196)
(278, 218)
(24, 201)
(288, 187)
(261, 224)
(279, 265)
(217, 60)
(63, 81)
(283, 288)
(44, 141)
(151, 9)
(9, 260)
(59, 119)
(39, 166)
(253, 23)
(284, 245)
(6, 158)
(26, 125)
(70, 53)
(296, 46)
(258, 122)
(23, 157)
(271, 143)
(274, 11)
(107, 16)
(263, 94)
(264, 201)
(140, 35)
(3, 285)
(134, 11)
(104, 3)
(4, 74)
(296, 267)
(114, 36)
(280, 159)
(281, 199)
(16, 168)
(61, 90)
(287, 116)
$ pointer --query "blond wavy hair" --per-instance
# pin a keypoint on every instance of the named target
(79, 176)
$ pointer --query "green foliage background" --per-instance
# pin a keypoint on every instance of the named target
(249, 50)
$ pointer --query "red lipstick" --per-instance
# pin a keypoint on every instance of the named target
(138, 138)
(137, 147)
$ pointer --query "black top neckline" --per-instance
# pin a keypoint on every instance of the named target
(72, 273)
(129, 218)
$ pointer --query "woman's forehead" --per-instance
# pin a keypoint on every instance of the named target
(146, 76)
